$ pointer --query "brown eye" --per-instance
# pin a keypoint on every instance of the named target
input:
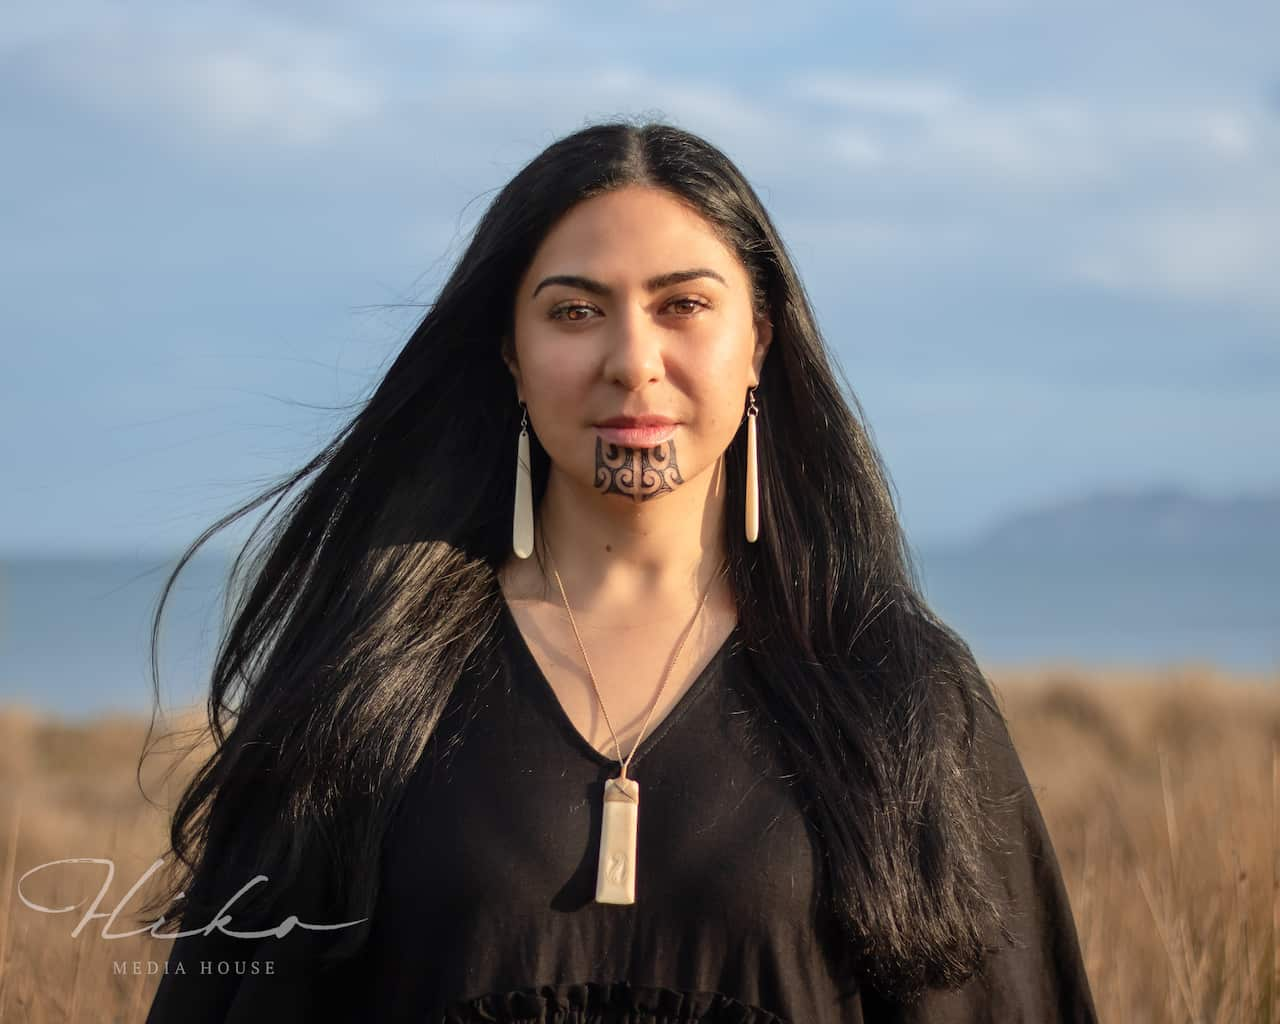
(573, 312)
(687, 306)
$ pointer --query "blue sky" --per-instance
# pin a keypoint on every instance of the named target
(1042, 238)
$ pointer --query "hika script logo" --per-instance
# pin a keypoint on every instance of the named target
(218, 924)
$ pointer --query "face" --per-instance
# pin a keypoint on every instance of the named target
(635, 343)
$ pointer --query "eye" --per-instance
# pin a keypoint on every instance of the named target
(689, 305)
(569, 311)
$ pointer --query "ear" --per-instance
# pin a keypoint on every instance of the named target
(508, 352)
(764, 338)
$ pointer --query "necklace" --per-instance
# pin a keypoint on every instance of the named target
(616, 869)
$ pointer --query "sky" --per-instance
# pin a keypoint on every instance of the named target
(1042, 239)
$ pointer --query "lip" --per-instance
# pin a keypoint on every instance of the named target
(637, 431)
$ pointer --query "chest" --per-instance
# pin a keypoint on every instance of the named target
(508, 826)
(637, 678)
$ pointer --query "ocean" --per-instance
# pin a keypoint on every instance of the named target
(74, 632)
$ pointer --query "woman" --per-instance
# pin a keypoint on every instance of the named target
(608, 529)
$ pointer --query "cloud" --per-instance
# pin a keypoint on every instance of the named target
(595, 92)
(1224, 254)
(912, 97)
(484, 25)
(935, 130)
(962, 10)
(268, 83)
(1119, 192)
(925, 168)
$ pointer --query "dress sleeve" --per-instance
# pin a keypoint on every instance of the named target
(1040, 978)
(229, 979)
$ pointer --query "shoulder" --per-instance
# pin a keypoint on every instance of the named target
(999, 793)
(993, 742)
(1018, 847)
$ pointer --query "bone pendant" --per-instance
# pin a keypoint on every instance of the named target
(616, 875)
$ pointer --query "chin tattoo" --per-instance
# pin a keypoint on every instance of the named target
(637, 473)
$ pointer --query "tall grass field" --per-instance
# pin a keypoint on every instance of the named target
(1161, 790)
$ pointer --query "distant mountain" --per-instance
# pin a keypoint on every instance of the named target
(1161, 519)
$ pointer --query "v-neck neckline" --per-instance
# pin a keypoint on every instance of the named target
(654, 733)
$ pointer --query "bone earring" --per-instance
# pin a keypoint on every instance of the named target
(753, 478)
(522, 521)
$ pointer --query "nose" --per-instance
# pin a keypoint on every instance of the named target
(635, 349)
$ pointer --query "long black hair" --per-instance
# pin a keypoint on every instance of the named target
(359, 606)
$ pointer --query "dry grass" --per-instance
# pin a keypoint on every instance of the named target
(1161, 790)
(70, 791)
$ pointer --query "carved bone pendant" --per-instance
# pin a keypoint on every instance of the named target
(616, 874)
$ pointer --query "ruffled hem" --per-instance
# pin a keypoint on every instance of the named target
(618, 1002)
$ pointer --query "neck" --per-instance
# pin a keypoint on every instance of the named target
(616, 554)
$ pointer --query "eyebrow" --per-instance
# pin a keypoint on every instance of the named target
(588, 284)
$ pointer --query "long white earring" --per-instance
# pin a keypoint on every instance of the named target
(753, 477)
(522, 521)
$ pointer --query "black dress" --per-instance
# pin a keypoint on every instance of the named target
(486, 909)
